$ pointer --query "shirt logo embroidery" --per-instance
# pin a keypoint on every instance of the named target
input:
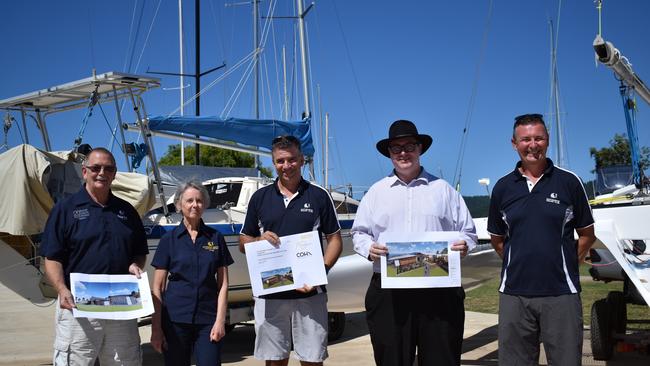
(553, 198)
(81, 214)
(211, 247)
(307, 208)
(121, 215)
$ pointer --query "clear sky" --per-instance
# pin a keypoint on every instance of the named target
(374, 62)
(104, 289)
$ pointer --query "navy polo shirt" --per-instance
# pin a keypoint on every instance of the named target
(87, 237)
(191, 294)
(540, 253)
(311, 209)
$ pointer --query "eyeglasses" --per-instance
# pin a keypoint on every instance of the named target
(110, 169)
(397, 149)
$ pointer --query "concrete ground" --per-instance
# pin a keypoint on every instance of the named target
(27, 332)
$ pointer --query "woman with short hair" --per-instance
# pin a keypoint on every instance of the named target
(190, 285)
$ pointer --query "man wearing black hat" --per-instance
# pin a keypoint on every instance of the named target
(410, 199)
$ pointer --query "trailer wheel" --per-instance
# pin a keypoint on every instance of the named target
(602, 345)
(618, 309)
(336, 323)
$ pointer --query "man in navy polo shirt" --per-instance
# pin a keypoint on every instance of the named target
(534, 211)
(93, 232)
(290, 206)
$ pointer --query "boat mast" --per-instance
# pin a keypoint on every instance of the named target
(303, 57)
(256, 63)
(197, 68)
(180, 55)
(305, 76)
(560, 154)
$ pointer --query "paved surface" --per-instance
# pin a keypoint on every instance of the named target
(27, 331)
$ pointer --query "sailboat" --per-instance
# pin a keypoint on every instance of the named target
(621, 217)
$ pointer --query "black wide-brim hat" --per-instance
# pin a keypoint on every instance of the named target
(403, 128)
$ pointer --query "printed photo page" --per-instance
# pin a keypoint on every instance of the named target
(111, 296)
(420, 260)
(295, 262)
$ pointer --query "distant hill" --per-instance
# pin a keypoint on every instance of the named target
(478, 205)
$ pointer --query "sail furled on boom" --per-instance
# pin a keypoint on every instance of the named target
(252, 132)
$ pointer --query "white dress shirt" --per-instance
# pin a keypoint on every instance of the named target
(427, 203)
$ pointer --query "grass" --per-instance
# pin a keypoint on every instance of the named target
(277, 284)
(418, 272)
(108, 308)
(485, 299)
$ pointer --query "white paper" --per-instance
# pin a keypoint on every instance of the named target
(420, 260)
(111, 296)
(296, 262)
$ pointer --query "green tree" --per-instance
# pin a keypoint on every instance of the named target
(618, 153)
(211, 156)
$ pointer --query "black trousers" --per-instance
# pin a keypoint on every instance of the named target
(403, 320)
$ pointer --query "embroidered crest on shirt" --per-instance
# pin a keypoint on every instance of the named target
(211, 247)
(121, 215)
(553, 198)
(307, 208)
(81, 214)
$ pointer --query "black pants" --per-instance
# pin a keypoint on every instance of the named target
(183, 340)
(401, 320)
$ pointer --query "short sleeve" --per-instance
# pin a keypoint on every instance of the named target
(581, 208)
(329, 222)
(225, 259)
(251, 226)
(54, 247)
(161, 259)
(495, 225)
(140, 246)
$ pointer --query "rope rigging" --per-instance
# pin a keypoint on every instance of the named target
(458, 173)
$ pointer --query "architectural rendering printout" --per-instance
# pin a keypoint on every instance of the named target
(111, 296)
(295, 262)
(420, 260)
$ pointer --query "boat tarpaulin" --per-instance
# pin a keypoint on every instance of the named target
(32, 180)
(253, 132)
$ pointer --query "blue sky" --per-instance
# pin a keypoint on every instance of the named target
(104, 289)
(375, 62)
(397, 249)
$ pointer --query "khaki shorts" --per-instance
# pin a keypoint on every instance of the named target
(79, 341)
(279, 322)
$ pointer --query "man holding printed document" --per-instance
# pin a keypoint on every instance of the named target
(410, 206)
(291, 206)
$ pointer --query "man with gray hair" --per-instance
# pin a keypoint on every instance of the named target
(93, 232)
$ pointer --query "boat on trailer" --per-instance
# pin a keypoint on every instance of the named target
(621, 214)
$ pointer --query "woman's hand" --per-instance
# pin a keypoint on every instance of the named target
(218, 331)
(158, 340)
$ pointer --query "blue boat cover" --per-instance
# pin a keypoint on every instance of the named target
(253, 132)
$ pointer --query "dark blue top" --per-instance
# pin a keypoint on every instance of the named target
(311, 209)
(88, 238)
(540, 256)
(191, 294)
